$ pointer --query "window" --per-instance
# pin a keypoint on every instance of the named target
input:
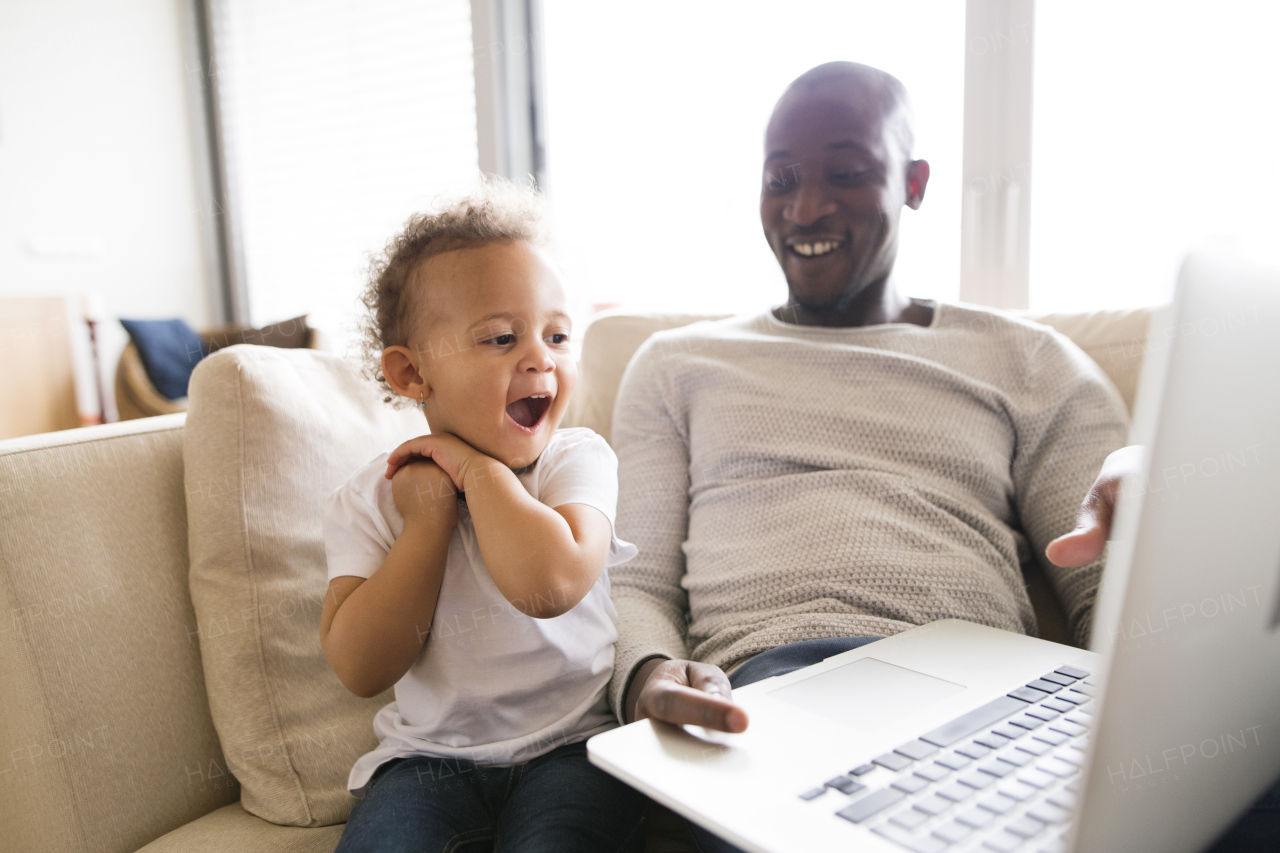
(339, 119)
(1154, 130)
(655, 129)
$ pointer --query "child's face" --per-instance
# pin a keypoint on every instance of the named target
(493, 348)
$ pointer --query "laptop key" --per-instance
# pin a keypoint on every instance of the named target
(1050, 814)
(1009, 731)
(927, 844)
(1034, 747)
(1058, 767)
(1018, 790)
(933, 805)
(952, 761)
(862, 770)
(916, 749)
(1073, 671)
(1024, 827)
(1037, 778)
(952, 832)
(910, 784)
(1071, 755)
(1016, 756)
(955, 792)
(997, 803)
(1059, 678)
(974, 750)
(1068, 728)
(1086, 689)
(933, 772)
(1064, 799)
(1051, 737)
(844, 785)
(813, 793)
(976, 818)
(1028, 694)
(1046, 686)
(1073, 697)
(871, 805)
(1040, 712)
(991, 740)
(1057, 705)
(976, 720)
(998, 768)
(1026, 721)
(893, 761)
(910, 819)
(1080, 718)
(1003, 842)
(977, 780)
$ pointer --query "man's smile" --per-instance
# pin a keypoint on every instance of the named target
(807, 247)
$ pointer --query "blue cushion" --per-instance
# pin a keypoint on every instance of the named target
(169, 350)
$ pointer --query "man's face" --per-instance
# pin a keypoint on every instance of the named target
(834, 185)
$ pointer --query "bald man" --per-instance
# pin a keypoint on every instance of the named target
(854, 462)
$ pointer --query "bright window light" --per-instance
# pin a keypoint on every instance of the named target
(655, 131)
(1155, 130)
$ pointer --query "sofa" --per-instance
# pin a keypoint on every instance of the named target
(162, 686)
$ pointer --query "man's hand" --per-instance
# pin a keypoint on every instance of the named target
(454, 456)
(684, 692)
(1093, 521)
(423, 492)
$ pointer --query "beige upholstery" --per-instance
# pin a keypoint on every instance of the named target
(107, 741)
(105, 735)
(271, 432)
(1114, 339)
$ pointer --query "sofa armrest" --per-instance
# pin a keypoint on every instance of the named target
(106, 741)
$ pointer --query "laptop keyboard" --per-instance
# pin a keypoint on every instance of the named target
(998, 779)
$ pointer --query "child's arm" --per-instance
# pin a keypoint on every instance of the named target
(372, 630)
(542, 559)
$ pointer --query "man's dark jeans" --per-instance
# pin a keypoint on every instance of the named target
(1257, 831)
(556, 803)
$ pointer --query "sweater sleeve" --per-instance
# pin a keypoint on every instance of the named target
(1070, 420)
(653, 513)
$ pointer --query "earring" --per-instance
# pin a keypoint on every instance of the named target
(422, 404)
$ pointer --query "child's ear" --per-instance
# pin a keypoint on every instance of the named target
(400, 366)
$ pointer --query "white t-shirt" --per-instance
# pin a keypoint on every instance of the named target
(491, 685)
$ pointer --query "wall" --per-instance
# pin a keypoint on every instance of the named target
(98, 172)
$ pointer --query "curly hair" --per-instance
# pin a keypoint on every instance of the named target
(496, 211)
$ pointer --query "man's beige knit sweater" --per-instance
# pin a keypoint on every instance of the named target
(788, 483)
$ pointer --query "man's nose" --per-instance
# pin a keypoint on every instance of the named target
(808, 205)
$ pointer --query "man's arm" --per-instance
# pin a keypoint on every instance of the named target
(1085, 543)
(1068, 423)
(650, 437)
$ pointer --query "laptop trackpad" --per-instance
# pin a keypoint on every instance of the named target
(865, 692)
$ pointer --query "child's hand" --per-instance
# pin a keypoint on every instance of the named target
(454, 456)
(423, 492)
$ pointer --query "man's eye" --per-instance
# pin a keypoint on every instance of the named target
(503, 340)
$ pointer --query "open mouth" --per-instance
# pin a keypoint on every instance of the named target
(814, 248)
(528, 412)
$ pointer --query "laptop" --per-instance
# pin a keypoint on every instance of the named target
(957, 737)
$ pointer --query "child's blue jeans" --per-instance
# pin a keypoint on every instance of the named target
(557, 803)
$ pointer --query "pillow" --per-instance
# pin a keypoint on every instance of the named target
(269, 434)
(169, 350)
(287, 334)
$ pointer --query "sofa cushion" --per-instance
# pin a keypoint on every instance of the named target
(231, 828)
(104, 724)
(169, 350)
(270, 432)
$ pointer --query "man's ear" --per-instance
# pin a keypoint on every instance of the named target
(917, 180)
(402, 368)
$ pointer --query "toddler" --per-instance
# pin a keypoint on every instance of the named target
(468, 567)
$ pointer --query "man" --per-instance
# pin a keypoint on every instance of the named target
(854, 462)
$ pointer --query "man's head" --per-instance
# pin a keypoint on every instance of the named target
(837, 171)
